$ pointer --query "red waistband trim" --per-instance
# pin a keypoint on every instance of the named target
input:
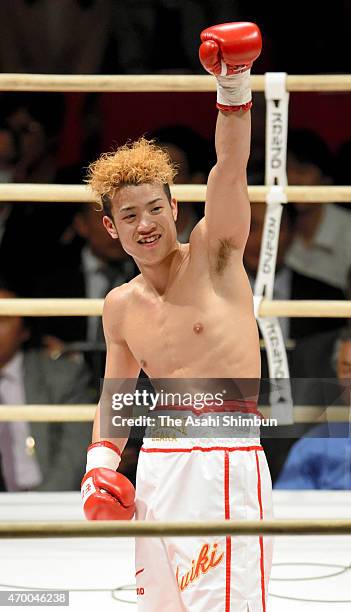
(202, 449)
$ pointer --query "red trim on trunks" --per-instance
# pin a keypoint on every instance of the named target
(201, 448)
(259, 495)
(106, 444)
(228, 540)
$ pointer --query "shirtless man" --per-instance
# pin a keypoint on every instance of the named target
(197, 291)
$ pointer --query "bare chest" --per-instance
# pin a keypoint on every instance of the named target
(185, 334)
(157, 331)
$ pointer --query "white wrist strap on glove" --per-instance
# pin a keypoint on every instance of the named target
(102, 456)
(234, 90)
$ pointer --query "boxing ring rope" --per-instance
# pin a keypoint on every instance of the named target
(156, 529)
(159, 83)
(58, 413)
(79, 307)
(46, 307)
(45, 193)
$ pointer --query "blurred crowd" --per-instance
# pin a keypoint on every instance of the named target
(94, 36)
(62, 250)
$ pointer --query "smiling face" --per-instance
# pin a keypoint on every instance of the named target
(144, 221)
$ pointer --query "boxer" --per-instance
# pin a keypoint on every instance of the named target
(188, 315)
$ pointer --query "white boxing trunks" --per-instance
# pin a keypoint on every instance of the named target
(199, 480)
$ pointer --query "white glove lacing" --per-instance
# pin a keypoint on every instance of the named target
(234, 90)
(102, 456)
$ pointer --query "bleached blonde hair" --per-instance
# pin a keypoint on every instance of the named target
(134, 163)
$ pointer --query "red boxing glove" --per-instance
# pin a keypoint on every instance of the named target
(228, 51)
(106, 494)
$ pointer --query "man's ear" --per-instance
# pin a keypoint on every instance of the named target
(174, 207)
(110, 227)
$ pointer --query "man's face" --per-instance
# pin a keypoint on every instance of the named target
(32, 138)
(144, 222)
(12, 333)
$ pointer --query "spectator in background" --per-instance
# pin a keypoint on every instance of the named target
(39, 456)
(289, 284)
(191, 154)
(35, 120)
(321, 247)
(41, 36)
(322, 458)
(187, 149)
(8, 154)
(306, 362)
(8, 159)
(89, 268)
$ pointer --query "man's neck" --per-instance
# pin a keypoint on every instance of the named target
(161, 276)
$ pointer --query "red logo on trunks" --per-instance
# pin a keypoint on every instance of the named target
(140, 590)
(206, 560)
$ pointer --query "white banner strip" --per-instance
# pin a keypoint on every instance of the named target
(280, 397)
(277, 101)
(264, 283)
(277, 108)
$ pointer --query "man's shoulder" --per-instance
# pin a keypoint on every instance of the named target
(119, 298)
(125, 291)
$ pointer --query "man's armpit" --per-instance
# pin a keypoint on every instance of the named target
(223, 254)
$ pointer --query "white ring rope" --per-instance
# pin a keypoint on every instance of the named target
(159, 82)
(79, 307)
(43, 193)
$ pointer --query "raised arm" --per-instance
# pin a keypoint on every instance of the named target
(227, 51)
(107, 494)
(227, 208)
